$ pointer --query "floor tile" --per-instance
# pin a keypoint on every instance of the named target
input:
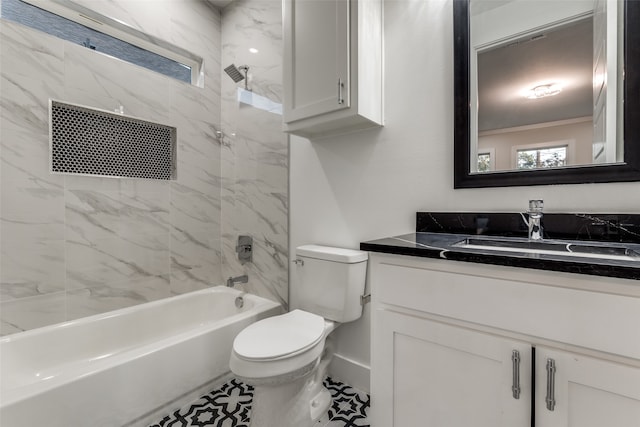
(230, 406)
(227, 406)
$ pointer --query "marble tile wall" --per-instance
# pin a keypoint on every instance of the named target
(73, 246)
(255, 150)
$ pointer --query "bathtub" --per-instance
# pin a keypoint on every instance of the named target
(121, 367)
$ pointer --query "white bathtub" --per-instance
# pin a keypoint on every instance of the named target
(118, 367)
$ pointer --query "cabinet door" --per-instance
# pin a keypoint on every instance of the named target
(586, 392)
(316, 57)
(426, 373)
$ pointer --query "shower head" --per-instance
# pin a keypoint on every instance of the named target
(234, 72)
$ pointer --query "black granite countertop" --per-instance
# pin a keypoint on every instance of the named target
(439, 235)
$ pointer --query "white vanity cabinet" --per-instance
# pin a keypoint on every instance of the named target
(460, 344)
(588, 392)
(432, 374)
(332, 66)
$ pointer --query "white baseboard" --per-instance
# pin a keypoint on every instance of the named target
(351, 372)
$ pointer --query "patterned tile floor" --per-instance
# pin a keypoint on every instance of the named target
(230, 406)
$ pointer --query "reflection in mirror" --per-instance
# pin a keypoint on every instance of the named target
(539, 81)
(542, 92)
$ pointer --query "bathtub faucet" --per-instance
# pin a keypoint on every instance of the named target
(240, 279)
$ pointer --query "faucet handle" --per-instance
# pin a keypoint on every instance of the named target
(536, 206)
(244, 249)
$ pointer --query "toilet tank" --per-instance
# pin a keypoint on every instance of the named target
(329, 282)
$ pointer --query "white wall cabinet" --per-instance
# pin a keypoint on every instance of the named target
(444, 335)
(332, 66)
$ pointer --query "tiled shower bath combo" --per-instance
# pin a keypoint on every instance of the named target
(77, 246)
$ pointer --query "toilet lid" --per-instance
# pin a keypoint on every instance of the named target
(279, 336)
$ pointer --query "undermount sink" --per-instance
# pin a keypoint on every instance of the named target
(551, 247)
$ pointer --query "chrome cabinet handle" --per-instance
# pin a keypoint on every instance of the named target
(551, 384)
(340, 87)
(515, 383)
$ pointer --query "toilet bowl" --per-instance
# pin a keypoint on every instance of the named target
(285, 358)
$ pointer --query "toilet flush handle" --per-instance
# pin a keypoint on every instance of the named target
(299, 262)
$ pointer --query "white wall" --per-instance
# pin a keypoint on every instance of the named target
(363, 186)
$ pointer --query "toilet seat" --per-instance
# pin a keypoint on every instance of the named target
(279, 347)
(280, 337)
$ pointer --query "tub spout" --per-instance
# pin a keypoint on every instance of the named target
(231, 281)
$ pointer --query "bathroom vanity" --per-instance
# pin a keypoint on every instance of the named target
(486, 338)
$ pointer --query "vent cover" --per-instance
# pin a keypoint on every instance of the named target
(85, 141)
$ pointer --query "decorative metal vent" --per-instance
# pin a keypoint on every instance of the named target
(85, 141)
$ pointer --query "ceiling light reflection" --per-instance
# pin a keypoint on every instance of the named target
(542, 91)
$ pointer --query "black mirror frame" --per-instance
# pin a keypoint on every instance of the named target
(622, 172)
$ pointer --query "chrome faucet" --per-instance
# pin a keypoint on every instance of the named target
(535, 219)
(240, 279)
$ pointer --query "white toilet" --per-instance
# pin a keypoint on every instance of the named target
(285, 358)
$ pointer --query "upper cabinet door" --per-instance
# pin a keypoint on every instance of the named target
(316, 57)
(573, 390)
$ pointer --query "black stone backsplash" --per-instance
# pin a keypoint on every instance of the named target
(624, 228)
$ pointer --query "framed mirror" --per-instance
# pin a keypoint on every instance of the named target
(546, 94)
